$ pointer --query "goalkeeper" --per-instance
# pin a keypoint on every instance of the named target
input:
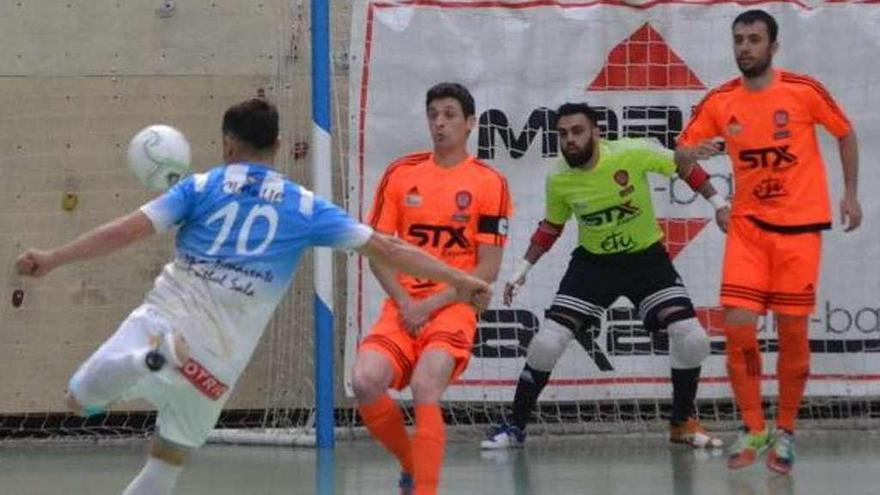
(604, 185)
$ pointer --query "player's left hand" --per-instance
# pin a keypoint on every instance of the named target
(34, 263)
(851, 210)
(415, 315)
(722, 218)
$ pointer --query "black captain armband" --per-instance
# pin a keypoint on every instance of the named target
(493, 225)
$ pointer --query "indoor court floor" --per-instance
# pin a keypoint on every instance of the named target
(828, 463)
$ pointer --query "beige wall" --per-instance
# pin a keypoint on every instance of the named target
(77, 80)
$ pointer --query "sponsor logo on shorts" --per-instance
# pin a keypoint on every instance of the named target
(203, 380)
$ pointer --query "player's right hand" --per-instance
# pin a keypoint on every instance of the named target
(474, 291)
(511, 288)
(722, 218)
(414, 314)
(707, 148)
(34, 263)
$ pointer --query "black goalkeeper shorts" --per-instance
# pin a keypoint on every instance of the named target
(594, 281)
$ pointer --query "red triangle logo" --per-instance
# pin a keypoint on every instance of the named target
(679, 232)
(644, 62)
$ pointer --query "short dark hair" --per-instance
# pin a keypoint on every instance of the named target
(575, 108)
(757, 15)
(253, 122)
(451, 90)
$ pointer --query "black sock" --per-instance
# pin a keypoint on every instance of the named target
(531, 383)
(684, 393)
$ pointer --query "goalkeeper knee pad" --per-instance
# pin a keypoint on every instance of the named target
(548, 345)
(688, 344)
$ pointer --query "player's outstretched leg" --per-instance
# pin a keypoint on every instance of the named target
(688, 347)
(382, 416)
(134, 351)
(543, 353)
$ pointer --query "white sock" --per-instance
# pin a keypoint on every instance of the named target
(157, 478)
(106, 379)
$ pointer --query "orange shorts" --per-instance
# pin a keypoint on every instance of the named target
(770, 270)
(451, 329)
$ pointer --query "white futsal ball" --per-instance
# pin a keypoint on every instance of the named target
(159, 156)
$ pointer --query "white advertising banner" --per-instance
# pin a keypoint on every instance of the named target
(644, 65)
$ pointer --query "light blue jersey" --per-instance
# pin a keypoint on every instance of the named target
(242, 230)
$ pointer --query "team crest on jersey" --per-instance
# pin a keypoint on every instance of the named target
(463, 200)
(622, 179)
(413, 198)
(781, 118)
(733, 126)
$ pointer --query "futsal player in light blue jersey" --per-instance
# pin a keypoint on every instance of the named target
(241, 229)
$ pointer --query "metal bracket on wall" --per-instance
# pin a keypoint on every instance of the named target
(17, 297)
(69, 201)
(167, 9)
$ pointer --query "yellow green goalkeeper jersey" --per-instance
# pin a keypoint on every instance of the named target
(611, 201)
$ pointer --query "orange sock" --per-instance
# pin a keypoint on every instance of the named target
(384, 420)
(744, 370)
(792, 368)
(428, 443)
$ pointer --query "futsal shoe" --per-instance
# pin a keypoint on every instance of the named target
(406, 484)
(747, 448)
(781, 456)
(692, 433)
(504, 436)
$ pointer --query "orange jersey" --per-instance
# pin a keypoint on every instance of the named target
(445, 211)
(779, 174)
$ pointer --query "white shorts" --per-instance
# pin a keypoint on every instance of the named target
(185, 415)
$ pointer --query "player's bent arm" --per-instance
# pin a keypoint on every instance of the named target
(100, 241)
(707, 148)
(387, 277)
(698, 180)
(542, 240)
(392, 252)
(488, 265)
(488, 262)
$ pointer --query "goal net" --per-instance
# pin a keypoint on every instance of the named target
(644, 67)
(73, 105)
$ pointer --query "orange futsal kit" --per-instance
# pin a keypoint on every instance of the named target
(781, 201)
(447, 212)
